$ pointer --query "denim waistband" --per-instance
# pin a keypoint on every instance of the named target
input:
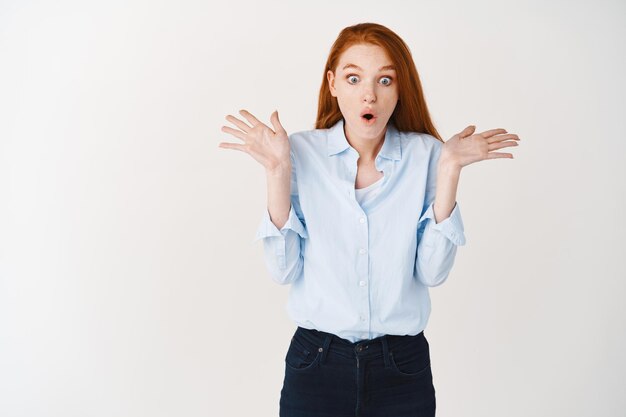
(372, 348)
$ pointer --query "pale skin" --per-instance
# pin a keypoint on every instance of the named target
(362, 80)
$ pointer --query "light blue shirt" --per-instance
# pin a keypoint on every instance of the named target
(360, 272)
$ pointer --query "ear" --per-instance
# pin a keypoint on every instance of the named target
(331, 83)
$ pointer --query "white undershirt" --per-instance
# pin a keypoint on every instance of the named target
(369, 192)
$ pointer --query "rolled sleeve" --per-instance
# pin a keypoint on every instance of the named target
(267, 228)
(451, 227)
(282, 247)
(437, 246)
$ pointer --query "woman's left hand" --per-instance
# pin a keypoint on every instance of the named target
(466, 147)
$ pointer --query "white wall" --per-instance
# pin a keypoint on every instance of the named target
(129, 282)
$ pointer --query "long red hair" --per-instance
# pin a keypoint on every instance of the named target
(411, 113)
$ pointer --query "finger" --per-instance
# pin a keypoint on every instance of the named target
(250, 118)
(500, 138)
(496, 155)
(500, 145)
(276, 122)
(235, 146)
(468, 131)
(239, 123)
(234, 132)
(489, 133)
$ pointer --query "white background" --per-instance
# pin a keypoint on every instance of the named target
(129, 281)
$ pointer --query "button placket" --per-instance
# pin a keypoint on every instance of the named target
(363, 273)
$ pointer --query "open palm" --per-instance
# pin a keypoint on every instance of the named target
(270, 147)
(466, 148)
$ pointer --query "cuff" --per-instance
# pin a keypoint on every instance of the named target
(267, 228)
(451, 227)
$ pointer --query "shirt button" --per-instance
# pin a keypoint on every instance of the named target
(362, 220)
(362, 251)
(362, 283)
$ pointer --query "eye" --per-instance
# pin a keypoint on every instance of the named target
(351, 77)
(387, 78)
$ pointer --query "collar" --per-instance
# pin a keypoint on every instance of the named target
(391, 149)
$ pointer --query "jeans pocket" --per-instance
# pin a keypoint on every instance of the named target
(301, 355)
(410, 361)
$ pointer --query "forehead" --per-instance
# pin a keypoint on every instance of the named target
(366, 56)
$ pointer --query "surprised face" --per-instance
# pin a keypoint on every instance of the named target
(364, 83)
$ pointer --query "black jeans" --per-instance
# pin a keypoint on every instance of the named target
(327, 376)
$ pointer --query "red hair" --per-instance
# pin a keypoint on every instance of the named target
(411, 113)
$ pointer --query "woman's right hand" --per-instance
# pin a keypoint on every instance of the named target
(269, 147)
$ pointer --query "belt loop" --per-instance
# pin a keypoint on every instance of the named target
(385, 351)
(325, 348)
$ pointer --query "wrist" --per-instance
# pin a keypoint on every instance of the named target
(279, 170)
(448, 166)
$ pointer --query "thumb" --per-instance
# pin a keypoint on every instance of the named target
(469, 130)
(276, 122)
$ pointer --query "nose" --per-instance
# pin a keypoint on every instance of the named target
(368, 94)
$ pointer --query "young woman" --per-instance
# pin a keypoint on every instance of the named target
(361, 219)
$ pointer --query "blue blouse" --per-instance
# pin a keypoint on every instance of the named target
(361, 270)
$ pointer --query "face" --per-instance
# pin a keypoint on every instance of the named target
(364, 82)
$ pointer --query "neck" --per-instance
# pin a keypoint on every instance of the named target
(367, 148)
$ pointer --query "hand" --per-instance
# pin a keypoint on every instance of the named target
(269, 147)
(466, 148)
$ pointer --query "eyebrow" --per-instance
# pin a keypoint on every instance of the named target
(386, 67)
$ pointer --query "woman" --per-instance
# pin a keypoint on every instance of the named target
(362, 218)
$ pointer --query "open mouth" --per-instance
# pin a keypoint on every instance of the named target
(368, 118)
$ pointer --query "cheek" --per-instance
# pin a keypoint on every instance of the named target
(387, 105)
(344, 94)
(392, 100)
(344, 105)
(342, 90)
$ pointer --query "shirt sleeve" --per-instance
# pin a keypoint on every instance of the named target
(437, 242)
(283, 248)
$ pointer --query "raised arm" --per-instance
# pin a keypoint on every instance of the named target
(281, 229)
(441, 226)
(271, 149)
